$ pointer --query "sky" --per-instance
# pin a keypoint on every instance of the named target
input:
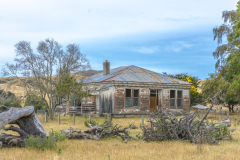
(173, 36)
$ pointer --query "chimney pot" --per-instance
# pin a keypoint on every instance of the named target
(106, 67)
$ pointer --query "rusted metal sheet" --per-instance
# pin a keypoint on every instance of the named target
(132, 74)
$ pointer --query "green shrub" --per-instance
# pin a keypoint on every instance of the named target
(61, 136)
(41, 144)
(45, 143)
(222, 131)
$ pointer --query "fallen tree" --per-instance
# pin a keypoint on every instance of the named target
(27, 122)
(99, 133)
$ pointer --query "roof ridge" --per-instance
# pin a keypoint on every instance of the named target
(120, 72)
(167, 76)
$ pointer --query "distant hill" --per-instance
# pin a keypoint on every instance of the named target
(88, 73)
(200, 84)
(19, 91)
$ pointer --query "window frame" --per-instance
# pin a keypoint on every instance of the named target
(132, 97)
(176, 99)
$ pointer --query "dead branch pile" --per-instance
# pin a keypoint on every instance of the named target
(165, 126)
(99, 133)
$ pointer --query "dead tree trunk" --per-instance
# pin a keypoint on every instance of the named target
(27, 121)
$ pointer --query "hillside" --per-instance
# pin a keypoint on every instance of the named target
(19, 91)
(200, 84)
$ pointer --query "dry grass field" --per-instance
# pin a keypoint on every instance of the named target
(116, 149)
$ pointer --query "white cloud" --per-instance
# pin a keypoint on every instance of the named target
(76, 21)
(146, 50)
(177, 46)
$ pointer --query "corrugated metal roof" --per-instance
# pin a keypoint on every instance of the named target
(132, 74)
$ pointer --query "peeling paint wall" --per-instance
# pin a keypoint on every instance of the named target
(145, 99)
(166, 98)
(186, 100)
(159, 99)
(119, 96)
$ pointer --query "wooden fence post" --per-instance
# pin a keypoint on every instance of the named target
(109, 118)
(89, 118)
(58, 117)
(142, 120)
(73, 119)
(45, 116)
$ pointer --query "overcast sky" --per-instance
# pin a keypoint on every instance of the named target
(173, 36)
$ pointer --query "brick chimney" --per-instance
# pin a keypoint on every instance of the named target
(106, 67)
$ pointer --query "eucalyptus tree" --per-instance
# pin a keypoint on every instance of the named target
(43, 67)
(227, 76)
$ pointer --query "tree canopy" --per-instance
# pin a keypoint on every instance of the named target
(44, 66)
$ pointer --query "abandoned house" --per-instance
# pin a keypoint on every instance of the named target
(131, 90)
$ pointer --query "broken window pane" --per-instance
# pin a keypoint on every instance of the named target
(179, 94)
(128, 102)
(172, 93)
(152, 91)
(152, 95)
(128, 92)
(179, 103)
(172, 102)
(136, 93)
(135, 101)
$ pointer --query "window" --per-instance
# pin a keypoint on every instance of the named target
(128, 102)
(135, 97)
(172, 99)
(175, 99)
(179, 98)
(75, 102)
(132, 97)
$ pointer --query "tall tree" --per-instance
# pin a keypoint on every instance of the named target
(227, 76)
(43, 66)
